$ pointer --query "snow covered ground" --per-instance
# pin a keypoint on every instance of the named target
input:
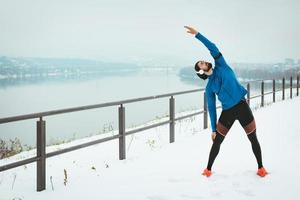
(157, 170)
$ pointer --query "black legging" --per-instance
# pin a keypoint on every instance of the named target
(219, 139)
(243, 113)
(215, 149)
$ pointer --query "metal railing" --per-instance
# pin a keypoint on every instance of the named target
(41, 154)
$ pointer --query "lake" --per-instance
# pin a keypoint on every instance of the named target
(24, 97)
(27, 96)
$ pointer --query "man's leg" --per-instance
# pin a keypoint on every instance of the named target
(224, 124)
(247, 121)
(215, 149)
(256, 148)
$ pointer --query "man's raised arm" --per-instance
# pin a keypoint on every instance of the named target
(214, 51)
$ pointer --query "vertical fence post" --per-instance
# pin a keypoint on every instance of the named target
(122, 142)
(248, 94)
(297, 85)
(172, 117)
(274, 89)
(262, 94)
(41, 154)
(291, 87)
(283, 88)
(205, 111)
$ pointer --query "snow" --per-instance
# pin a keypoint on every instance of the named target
(157, 170)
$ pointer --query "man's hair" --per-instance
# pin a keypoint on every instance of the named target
(197, 67)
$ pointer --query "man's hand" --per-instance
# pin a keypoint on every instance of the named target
(191, 30)
(213, 135)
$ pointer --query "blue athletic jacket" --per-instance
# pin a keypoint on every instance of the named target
(222, 83)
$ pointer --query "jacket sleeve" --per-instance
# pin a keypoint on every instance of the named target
(213, 49)
(211, 104)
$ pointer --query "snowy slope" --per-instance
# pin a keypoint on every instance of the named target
(156, 170)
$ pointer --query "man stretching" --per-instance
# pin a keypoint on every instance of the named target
(223, 83)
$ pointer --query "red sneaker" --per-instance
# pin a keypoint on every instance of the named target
(262, 172)
(206, 173)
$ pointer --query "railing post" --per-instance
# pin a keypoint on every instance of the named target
(291, 87)
(262, 94)
(248, 94)
(205, 111)
(297, 85)
(283, 88)
(172, 118)
(122, 142)
(274, 88)
(41, 154)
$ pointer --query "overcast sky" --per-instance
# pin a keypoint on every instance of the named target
(140, 30)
